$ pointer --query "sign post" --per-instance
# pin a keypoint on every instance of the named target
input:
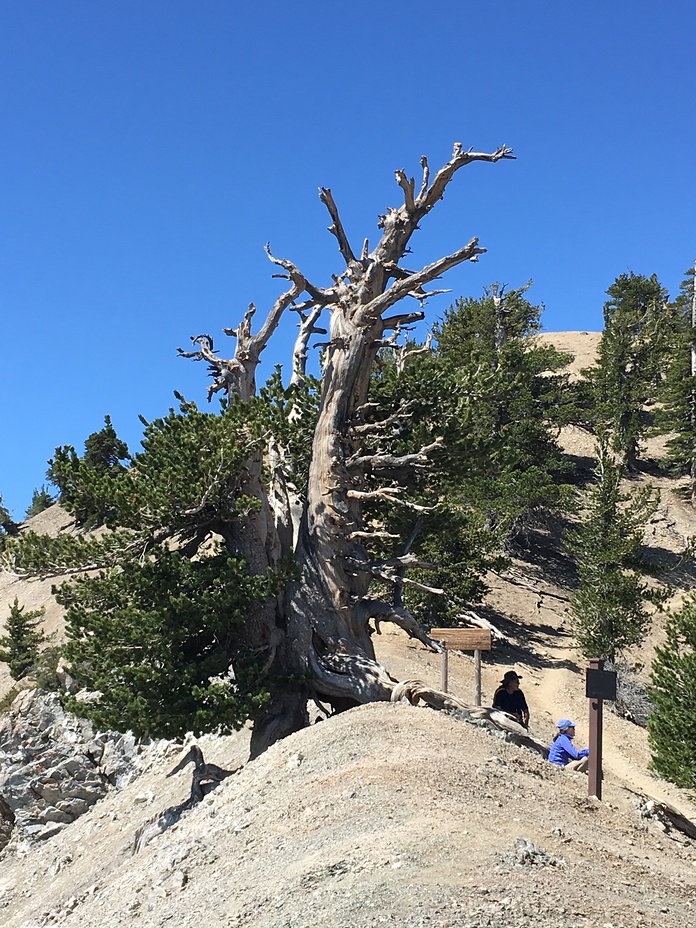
(600, 684)
(463, 639)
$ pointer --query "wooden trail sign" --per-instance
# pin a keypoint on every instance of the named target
(463, 639)
(600, 684)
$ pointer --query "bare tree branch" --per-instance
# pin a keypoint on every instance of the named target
(380, 611)
(399, 225)
(401, 273)
(357, 536)
(300, 353)
(408, 187)
(399, 322)
(369, 406)
(423, 295)
(299, 285)
(387, 461)
(383, 571)
(426, 177)
(238, 374)
(389, 494)
(406, 560)
(472, 618)
(226, 374)
(336, 227)
(396, 418)
(402, 288)
(404, 354)
(325, 297)
(428, 199)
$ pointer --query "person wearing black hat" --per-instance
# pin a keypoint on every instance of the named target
(510, 698)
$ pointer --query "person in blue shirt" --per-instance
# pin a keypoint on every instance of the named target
(563, 752)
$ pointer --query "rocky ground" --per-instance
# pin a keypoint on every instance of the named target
(390, 814)
(387, 814)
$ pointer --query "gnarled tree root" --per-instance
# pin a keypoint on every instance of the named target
(416, 692)
(205, 778)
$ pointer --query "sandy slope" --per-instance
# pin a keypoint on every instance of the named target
(386, 814)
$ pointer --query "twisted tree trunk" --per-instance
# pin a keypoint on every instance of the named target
(321, 631)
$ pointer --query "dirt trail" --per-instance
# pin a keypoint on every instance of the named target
(553, 690)
(625, 752)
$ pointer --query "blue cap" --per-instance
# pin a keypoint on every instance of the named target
(565, 723)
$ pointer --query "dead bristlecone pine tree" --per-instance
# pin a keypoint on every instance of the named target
(319, 632)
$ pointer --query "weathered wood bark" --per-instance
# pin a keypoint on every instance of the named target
(323, 634)
(205, 778)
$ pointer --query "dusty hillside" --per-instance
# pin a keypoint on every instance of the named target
(582, 345)
(390, 814)
(387, 814)
(34, 594)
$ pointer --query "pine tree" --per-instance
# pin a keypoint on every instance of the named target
(167, 637)
(449, 545)
(609, 609)
(630, 360)
(513, 401)
(162, 640)
(8, 527)
(288, 495)
(675, 416)
(84, 482)
(672, 721)
(40, 500)
(20, 646)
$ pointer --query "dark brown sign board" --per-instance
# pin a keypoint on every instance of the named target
(600, 684)
(463, 639)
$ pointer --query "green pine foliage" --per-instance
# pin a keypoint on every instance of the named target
(154, 632)
(609, 609)
(419, 402)
(40, 500)
(84, 482)
(156, 640)
(104, 450)
(459, 550)
(161, 633)
(292, 415)
(8, 527)
(488, 403)
(630, 361)
(20, 646)
(187, 478)
(513, 397)
(675, 415)
(37, 555)
(672, 721)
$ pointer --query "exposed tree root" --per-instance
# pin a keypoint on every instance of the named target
(416, 692)
(205, 778)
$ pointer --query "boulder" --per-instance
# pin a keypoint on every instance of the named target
(54, 766)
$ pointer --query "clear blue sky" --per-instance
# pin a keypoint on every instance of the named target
(151, 147)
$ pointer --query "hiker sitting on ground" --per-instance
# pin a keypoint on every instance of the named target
(563, 752)
(510, 698)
